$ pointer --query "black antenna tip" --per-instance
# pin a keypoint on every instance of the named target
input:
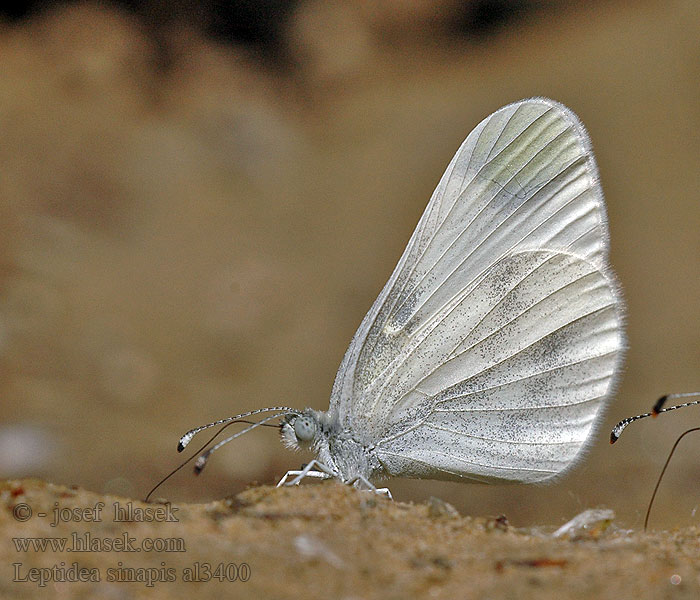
(180, 447)
(659, 404)
(199, 464)
(613, 437)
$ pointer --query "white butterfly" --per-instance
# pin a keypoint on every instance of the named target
(490, 352)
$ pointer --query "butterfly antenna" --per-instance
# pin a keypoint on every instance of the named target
(226, 423)
(658, 407)
(176, 469)
(202, 460)
(187, 438)
(656, 410)
(668, 460)
(617, 430)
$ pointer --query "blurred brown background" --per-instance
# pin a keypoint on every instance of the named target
(197, 209)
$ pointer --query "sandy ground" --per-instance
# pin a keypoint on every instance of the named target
(328, 541)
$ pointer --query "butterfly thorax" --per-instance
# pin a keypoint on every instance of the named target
(334, 446)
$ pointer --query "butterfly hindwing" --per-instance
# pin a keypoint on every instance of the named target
(515, 393)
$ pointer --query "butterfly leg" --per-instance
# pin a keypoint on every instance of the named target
(369, 486)
(321, 472)
(295, 473)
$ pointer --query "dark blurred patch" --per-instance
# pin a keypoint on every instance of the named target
(14, 11)
(255, 23)
(260, 24)
(484, 17)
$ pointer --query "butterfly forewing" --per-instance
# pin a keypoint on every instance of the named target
(450, 318)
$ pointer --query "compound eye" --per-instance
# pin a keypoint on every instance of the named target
(304, 428)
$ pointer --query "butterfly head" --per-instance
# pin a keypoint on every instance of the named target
(300, 430)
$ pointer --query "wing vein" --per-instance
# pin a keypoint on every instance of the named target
(492, 439)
